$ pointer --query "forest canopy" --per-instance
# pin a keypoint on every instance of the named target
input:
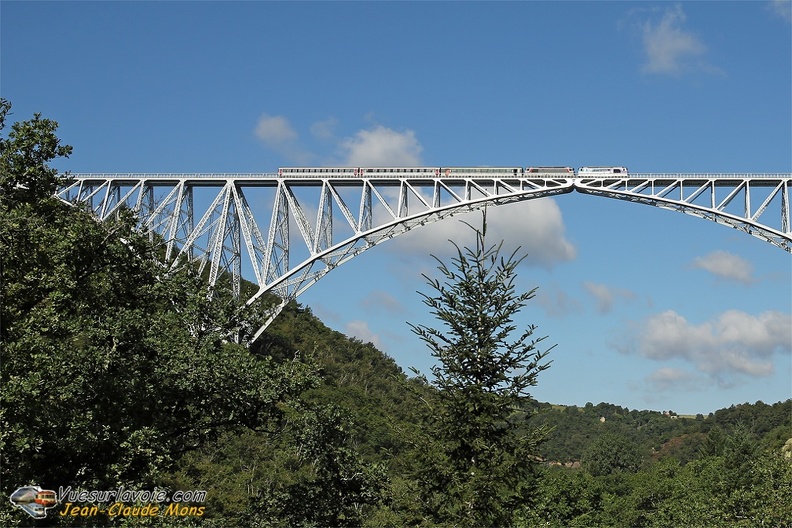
(116, 371)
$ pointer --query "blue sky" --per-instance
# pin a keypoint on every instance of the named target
(648, 308)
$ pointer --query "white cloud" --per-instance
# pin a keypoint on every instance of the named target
(606, 295)
(324, 129)
(734, 343)
(762, 334)
(670, 48)
(782, 9)
(726, 266)
(536, 226)
(361, 330)
(377, 146)
(672, 379)
(274, 130)
(277, 134)
(381, 146)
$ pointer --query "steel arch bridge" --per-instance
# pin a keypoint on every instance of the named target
(234, 221)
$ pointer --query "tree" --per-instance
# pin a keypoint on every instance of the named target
(25, 175)
(565, 498)
(611, 453)
(112, 366)
(306, 474)
(477, 455)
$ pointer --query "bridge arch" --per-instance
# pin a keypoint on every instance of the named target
(291, 284)
(326, 221)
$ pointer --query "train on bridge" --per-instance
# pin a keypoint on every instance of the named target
(450, 172)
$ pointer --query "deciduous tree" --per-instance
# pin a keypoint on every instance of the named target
(112, 365)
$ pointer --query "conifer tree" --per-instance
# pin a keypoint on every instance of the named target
(476, 464)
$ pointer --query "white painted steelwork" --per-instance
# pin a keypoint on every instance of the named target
(757, 204)
(339, 213)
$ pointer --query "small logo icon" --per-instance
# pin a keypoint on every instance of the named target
(34, 500)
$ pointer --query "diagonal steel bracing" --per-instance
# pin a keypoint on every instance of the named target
(337, 218)
(757, 204)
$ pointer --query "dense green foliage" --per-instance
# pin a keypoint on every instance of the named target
(685, 473)
(739, 486)
(655, 434)
(116, 371)
(115, 367)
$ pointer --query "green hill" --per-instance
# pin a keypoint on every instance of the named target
(602, 459)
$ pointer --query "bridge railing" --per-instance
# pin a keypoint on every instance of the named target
(276, 176)
(704, 175)
(170, 175)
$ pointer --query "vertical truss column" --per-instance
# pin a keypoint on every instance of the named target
(182, 221)
(436, 194)
(112, 198)
(276, 258)
(146, 205)
(402, 208)
(365, 218)
(747, 199)
(255, 242)
(324, 221)
(785, 208)
(227, 230)
(207, 224)
(236, 249)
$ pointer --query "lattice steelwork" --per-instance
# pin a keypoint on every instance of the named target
(757, 204)
(211, 217)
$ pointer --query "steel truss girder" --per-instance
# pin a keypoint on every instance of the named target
(740, 201)
(302, 276)
(330, 232)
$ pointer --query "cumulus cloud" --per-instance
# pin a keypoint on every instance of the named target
(277, 134)
(672, 379)
(536, 226)
(670, 48)
(731, 345)
(726, 266)
(274, 130)
(361, 330)
(375, 146)
(606, 295)
(381, 146)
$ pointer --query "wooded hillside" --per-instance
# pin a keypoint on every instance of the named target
(117, 372)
